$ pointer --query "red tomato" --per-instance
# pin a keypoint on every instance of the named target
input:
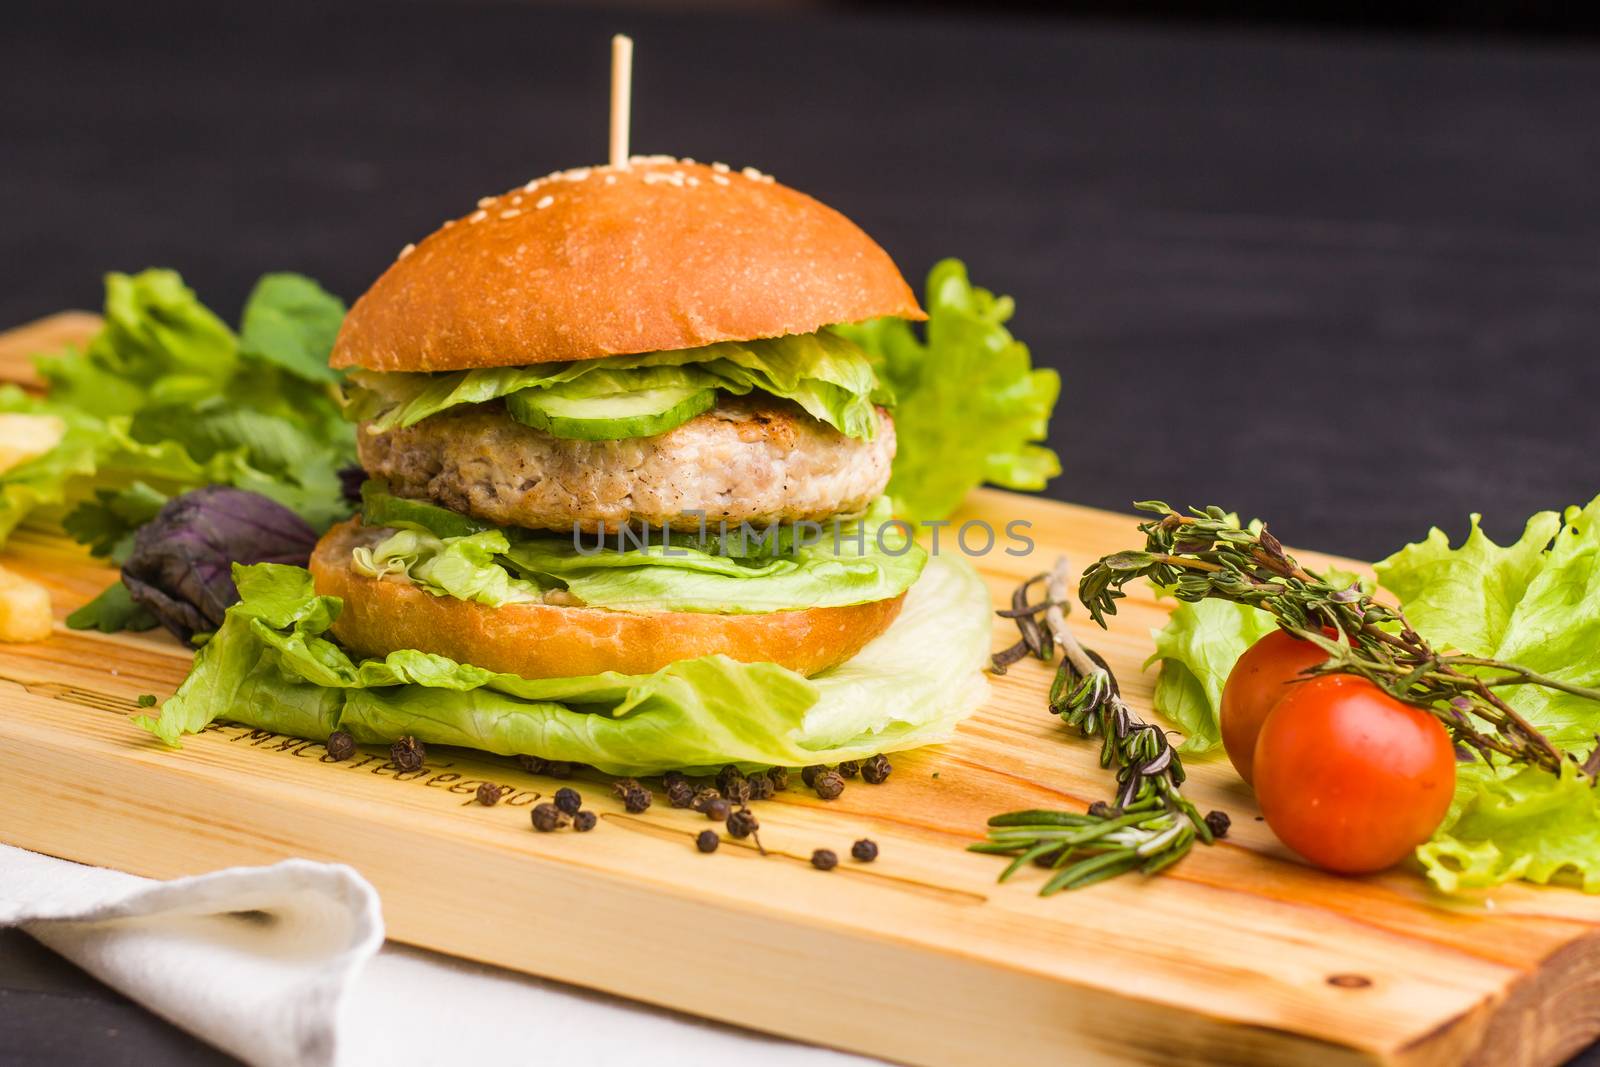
(1262, 677)
(1351, 778)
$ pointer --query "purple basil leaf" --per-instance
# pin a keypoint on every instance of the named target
(181, 567)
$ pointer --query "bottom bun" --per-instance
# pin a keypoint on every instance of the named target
(383, 615)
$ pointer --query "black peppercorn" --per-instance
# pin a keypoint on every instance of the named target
(737, 790)
(828, 785)
(809, 774)
(558, 768)
(532, 764)
(408, 753)
(742, 823)
(707, 841)
(569, 800)
(674, 776)
(760, 787)
(1218, 823)
(341, 746)
(716, 809)
(704, 796)
(876, 770)
(547, 817)
(583, 821)
(730, 773)
(779, 777)
(849, 769)
(636, 799)
(823, 859)
(680, 794)
(865, 850)
(488, 794)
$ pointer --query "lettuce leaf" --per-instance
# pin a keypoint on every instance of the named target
(826, 375)
(289, 321)
(167, 395)
(970, 406)
(1535, 602)
(271, 666)
(852, 563)
(1197, 650)
(1530, 825)
(467, 568)
(43, 482)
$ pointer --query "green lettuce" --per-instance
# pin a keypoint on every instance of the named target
(1535, 602)
(970, 407)
(1197, 650)
(1530, 825)
(855, 563)
(467, 568)
(166, 395)
(45, 481)
(826, 375)
(272, 666)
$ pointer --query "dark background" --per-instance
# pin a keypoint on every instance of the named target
(1340, 270)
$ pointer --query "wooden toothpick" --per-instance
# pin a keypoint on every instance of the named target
(621, 97)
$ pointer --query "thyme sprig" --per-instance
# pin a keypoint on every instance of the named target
(1207, 555)
(1150, 825)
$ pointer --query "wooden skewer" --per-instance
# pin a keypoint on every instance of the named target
(621, 97)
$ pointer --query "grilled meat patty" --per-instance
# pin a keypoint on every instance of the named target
(752, 459)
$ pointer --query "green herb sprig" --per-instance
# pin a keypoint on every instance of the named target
(1207, 555)
(1150, 825)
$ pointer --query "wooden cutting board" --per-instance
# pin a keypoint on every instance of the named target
(1239, 955)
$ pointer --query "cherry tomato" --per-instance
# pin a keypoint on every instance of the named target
(1262, 677)
(1351, 778)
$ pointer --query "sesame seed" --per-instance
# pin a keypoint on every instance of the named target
(751, 173)
(485, 201)
(406, 251)
(721, 179)
(721, 168)
(477, 216)
(448, 223)
(692, 180)
(532, 185)
(516, 200)
(611, 179)
(577, 174)
(544, 202)
(510, 213)
(687, 161)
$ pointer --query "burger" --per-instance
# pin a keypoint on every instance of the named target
(625, 495)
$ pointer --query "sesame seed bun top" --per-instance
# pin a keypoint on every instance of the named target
(598, 261)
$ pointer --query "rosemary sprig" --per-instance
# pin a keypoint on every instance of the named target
(1150, 825)
(1206, 555)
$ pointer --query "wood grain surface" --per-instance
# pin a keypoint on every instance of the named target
(1240, 954)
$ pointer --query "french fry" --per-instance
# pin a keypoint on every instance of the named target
(25, 437)
(24, 608)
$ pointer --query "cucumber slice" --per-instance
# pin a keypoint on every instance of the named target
(379, 507)
(641, 413)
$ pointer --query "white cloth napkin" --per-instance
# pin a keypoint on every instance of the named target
(287, 965)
